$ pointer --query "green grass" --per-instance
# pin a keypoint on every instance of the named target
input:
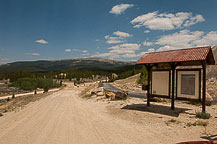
(172, 121)
(203, 115)
(193, 103)
(197, 123)
(119, 99)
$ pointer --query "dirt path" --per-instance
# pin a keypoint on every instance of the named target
(65, 118)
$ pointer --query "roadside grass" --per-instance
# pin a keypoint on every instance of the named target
(119, 99)
(198, 103)
(17, 103)
(197, 123)
(172, 121)
(193, 103)
(203, 115)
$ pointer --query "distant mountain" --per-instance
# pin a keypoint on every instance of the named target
(56, 65)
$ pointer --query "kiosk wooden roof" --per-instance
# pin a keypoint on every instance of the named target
(200, 56)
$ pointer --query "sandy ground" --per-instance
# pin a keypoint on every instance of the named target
(66, 118)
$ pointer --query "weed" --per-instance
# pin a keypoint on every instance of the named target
(172, 121)
(193, 103)
(197, 123)
(87, 96)
(118, 99)
(13, 96)
(203, 115)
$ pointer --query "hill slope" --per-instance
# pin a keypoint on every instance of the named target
(212, 69)
(55, 65)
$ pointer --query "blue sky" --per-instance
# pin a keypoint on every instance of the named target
(114, 29)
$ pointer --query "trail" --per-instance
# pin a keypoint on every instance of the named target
(65, 118)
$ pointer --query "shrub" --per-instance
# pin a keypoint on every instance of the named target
(34, 83)
(13, 96)
(1, 114)
(197, 123)
(203, 115)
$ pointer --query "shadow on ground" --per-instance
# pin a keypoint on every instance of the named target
(210, 138)
(160, 109)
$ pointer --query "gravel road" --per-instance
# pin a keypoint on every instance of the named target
(65, 118)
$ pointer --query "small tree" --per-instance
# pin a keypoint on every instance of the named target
(13, 96)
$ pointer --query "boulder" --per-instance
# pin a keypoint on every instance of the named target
(121, 95)
(97, 90)
(110, 95)
(100, 93)
(209, 99)
(156, 99)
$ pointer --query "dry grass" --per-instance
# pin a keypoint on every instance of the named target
(197, 123)
(19, 102)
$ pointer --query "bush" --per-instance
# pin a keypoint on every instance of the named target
(13, 96)
(1, 114)
(203, 115)
(197, 123)
(34, 83)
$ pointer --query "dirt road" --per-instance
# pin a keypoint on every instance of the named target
(65, 118)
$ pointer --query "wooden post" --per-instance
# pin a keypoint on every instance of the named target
(148, 67)
(200, 85)
(204, 87)
(173, 67)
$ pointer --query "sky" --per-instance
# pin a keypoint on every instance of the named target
(114, 29)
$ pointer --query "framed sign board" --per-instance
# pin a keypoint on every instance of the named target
(188, 84)
(160, 83)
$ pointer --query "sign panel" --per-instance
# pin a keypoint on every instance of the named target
(188, 84)
(160, 83)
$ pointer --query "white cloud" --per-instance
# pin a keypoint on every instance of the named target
(120, 37)
(145, 43)
(78, 50)
(97, 40)
(151, 50)
(84, 51)
(119, 9)
(122, 34)
(68, 50)
(113, 40)
(41, 41)
(4, 59)
(166, 21)
(127, 50)
(147, 31)
(186, 39)
(34, 54)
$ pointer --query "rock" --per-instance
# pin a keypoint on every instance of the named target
(97, 90)
(121, 95)
(110, 95)
(209, 99)
(100, 93)
(156, 99)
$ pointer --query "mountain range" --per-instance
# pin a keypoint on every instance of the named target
(56, 65)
